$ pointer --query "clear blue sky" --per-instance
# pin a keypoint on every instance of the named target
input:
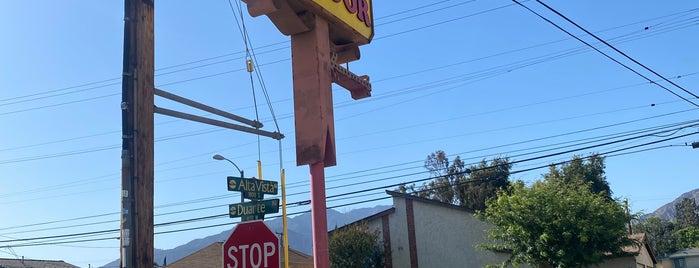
(473, 78)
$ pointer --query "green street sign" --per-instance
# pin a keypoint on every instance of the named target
(252, 186)
(249, 209)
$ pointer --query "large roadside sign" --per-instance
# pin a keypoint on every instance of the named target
(251, 245)
(357, 15)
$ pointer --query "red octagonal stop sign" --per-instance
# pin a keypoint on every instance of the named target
(251, 245)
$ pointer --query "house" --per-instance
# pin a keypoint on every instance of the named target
(688, 258)
(29, 263)
(420, 232)
(212, 257)
(638, 255)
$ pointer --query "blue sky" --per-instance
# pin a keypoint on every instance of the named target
(476, 79)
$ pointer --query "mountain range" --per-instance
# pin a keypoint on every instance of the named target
(667, 211)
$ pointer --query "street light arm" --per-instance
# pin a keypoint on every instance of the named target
(220, 157)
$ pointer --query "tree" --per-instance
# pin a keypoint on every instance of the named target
(660, 234)
(579, 170)
(483, 183)
(556, 223)
(687, 237)
(355, 246)
(687, 213)
(456, 184)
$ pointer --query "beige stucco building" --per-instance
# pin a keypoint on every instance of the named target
(419, 232)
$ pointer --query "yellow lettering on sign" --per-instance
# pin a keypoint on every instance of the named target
(357, 14)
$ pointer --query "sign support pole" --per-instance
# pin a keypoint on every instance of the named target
(321, 256)
(314, 120)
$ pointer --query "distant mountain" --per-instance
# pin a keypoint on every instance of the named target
(667, 211)
(299, 231)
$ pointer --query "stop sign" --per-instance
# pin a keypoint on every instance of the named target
(251, 245)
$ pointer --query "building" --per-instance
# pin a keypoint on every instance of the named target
(420, 232)
(635, 256)
(29, 263)
(212, 257)
(688, 258)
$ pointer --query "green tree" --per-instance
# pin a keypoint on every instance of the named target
(454, 183)
(659, 233)
(687, 213)
(355, 246)
(442, 187)
(687, 237)
(555, 223)
(483, 183)
(579, 170)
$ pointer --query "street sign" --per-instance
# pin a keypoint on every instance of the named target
(251, 245)
(254, 217)
(253, 208)
(252, 185)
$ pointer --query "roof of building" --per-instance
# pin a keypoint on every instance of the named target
(640, 240)
(29, 263)
(393, 209)
(429, 201)
(690, 252)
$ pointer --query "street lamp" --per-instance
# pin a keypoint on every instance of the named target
(220, 157)
(695, 144)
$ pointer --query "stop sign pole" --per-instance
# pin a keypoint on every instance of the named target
(251, 245)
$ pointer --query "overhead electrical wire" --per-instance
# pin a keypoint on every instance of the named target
(210, 130)
(221, 73)
(92, 233)
(184, 64)
(519, 161)
(197, 61)
(617, 50)
(605, 54)
(482, 149)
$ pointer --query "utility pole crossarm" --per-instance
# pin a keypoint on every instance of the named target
(218, 123)
(198, 105)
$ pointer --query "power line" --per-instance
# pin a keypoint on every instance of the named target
(182, 64)
(654, 133)
(605, 54)
(472, 151)
(522, 64)
(92, 233)
(617, 50)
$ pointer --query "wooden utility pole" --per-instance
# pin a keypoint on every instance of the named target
(137, 135)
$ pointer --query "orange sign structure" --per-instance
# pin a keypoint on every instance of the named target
(324, 34)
